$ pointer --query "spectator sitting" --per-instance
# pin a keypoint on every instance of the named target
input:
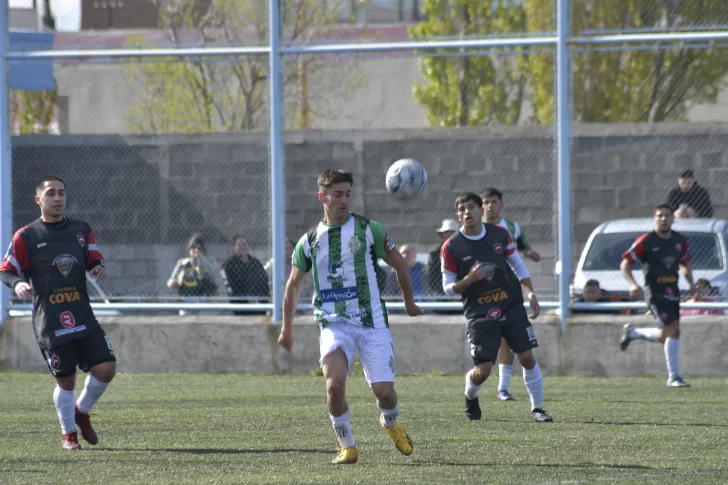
(416, 271)
(691, 194)
(593, 293)
(244, 275)
(434, 272)
(705, 292)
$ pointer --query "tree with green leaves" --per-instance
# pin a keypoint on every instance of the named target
(206, 95)
(636, 83)
(32, 112)
(471, 90)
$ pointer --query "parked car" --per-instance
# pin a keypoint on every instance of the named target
(600, 259)
(95, 293)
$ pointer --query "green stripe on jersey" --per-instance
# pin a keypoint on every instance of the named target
(358, 246)
(336, 265)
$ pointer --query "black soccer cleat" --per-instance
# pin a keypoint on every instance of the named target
(540, 416)
(472, 408)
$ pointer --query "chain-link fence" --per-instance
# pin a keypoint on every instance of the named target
(155, 151)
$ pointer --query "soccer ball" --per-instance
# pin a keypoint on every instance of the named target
(406, 178)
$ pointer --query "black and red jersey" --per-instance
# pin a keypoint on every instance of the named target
(500, 290)
(660, 260)
(54, 258)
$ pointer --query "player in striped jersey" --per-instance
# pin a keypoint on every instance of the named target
(341, 252)
(492, 208)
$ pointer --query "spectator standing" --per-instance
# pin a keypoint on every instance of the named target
(689, 195)
(244, 275)
(416, 271)
(434, 270)
(193, 275)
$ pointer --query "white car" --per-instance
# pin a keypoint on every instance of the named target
(600, 259)
(95, 293)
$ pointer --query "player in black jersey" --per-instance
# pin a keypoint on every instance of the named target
(53, 254)
(661, 253)
(480, 262)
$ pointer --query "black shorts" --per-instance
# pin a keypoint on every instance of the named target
(84, 353)
(665, 312)
(484, 336)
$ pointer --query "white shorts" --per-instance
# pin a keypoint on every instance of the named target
(374, 346)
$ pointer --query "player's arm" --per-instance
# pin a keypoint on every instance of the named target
(385, 249)
(524, 277)
(525, 246)
(300, 265)
(635, 253)
(94, 259)
(687, 268)
(15, 263)
(449, 267)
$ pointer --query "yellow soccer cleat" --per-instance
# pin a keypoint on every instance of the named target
(346, 456)
(399, 436)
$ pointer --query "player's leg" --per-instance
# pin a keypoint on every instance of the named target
(644, 333)
(377, 359)
(522, 339)
(337, 350)
(670, 335)
(62, 362)
(505, 370)
(484, 339)
(97, 358)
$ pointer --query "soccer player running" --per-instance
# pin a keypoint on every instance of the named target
(480, 263)
(661, 252)
(53, 253)
(493, 206)
(341, 251)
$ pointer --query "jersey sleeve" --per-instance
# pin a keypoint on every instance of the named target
(685, 255)
(15, 262)
(637, 251)
(302, 255)
(448, 263)
(510, 245)
(383, 243)
(521, 241)
(93, 255)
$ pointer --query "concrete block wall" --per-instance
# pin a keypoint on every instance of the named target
(144, 196)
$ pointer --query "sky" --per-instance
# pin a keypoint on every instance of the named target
(66, 12)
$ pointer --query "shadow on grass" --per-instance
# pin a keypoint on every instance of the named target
(679, 425)
(219, 451)
(536, 465)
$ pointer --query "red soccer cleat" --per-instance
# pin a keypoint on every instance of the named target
(83, 421)
(70, 442)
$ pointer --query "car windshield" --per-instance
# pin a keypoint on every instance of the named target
(605, 252)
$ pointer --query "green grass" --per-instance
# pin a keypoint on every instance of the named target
(177, 429)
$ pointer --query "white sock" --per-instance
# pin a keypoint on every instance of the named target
(342, 427)
(389, 416)
(64, 401)
(471, 389)
(649, 334)
(504, 376)
(672, 350)
(534, 385)
(91, 393)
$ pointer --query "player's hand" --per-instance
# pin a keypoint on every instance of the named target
(635, 292)
(477, 272)
(285, 339)
(535, 307)
(535, 257)
(23, 290)
(413, 310)
(98, 272)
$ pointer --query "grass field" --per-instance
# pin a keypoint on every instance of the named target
(176, 429)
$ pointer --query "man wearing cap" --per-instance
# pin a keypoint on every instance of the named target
(434, 272)
(689, 195)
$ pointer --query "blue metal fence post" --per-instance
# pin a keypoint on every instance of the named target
(6, 164)
(278, 196)
(563, 159)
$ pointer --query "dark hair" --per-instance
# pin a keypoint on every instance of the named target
(592, 283)
(687, 174)
(663, 206)
(332, 176)
(48, 178)
(705, 282)
(491, 192)
(291, 241)
(236, 237)
(466, 197)
(196, 240)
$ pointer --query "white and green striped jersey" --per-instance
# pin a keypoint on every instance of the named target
(516, 232)
(342, 259)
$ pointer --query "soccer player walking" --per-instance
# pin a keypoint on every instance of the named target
(480, 263)
(661, 253)
(341, 251)
(53, 253)
(492, 208)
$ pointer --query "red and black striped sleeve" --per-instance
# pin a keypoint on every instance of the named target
(93, 255)
(16, 261)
